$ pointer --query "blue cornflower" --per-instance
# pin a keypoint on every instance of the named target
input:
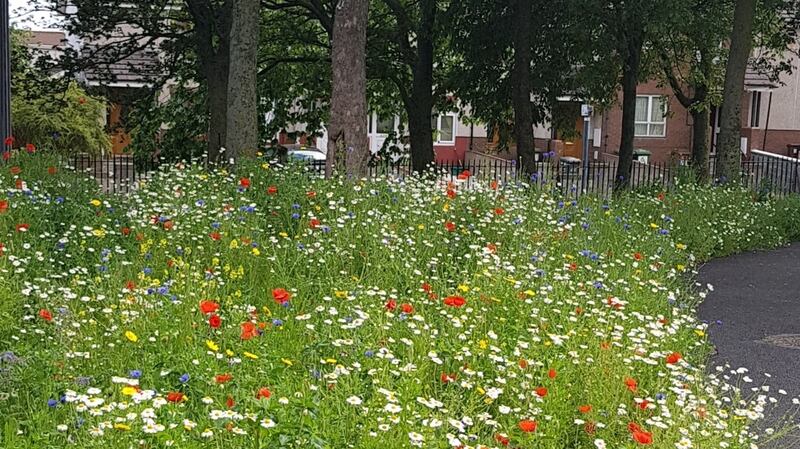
(184, 378)
(277, 322)
(147, 270)
(52, 403)
(135, 374)
(369, 353)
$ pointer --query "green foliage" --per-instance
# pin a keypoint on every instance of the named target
(69, 122)
(50, 113)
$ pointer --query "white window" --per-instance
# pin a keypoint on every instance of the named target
(755, 109)
(651, 116)
(444, 125)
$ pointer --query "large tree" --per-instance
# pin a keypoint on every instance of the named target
(242, 111)
(521, 80)
(347, 128)
(159, 37)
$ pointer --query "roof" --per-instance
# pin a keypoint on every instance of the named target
(46, 40)
(757, 80)
(136, 70)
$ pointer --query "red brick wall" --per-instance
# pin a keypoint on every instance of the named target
(457, 151)
(678, 133)
(776, 142)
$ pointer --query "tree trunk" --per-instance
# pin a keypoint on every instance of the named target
(700, 123)
(632, 51)
(242, 111)
(217, 83)
(420, 106)
(521, 80)
(347, 131)
(728, 146)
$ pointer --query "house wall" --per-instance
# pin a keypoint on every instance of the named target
(678, 135)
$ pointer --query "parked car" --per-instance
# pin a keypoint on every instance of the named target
(296, 151)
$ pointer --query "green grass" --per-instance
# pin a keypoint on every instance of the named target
(574, 297)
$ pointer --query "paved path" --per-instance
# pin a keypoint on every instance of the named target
(756, 299)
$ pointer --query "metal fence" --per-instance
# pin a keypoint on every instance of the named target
(761, 172)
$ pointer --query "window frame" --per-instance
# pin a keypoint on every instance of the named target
(650, 122)
(438, 129)
(755, 109)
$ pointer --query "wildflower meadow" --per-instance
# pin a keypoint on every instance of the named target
(264, 307)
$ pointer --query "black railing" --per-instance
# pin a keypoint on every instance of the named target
(764, 174)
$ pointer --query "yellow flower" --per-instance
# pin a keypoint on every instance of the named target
(250, 355)
(530, 292)
(699, 332)
(121, 426)
(420, 226)
(331, 361)
(234, 244)
(256, 252)
(229, 353)
(483, 344)
(340, 294)
(212, 346)
(680, 246)
(128, 391)
(463, 288)
(131, 336)
(98, 232)
(283, 234)
(653, 225)
(287, 362)
(95, 203)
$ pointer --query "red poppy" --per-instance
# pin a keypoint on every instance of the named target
(451, 193)
(263, 393)
(6, 155)
(579, 310)
(215, 236)
(637, 256)
(540, 391)
(52, 170)
(674, 358)
(229, 402)
(643, 405)
(30, 148)
(391, 304)
(130, 285)
(464, 175)
(448, 377)
(499, 211)
(244, 183)
(23, 227)
(493, 185)
(272, 190)
(168, 225)
(2, 249)
(3, 206)
(46, 315)
(175, 397)
(589, 427)
(314, 223)
(82, 100)
(502, 439)
(491, 247)
(450, 226)
(551, 373)
(660, 196)
(454, 301)
(126, 231)
(208, 307)
(426, 287)
(9, 141)
(249, 330)
(526, 425)
(215, 321)
(631, 384)
(281, 296)
(15, 170)
(639, 435)
(585, 408)
(19, 184)
(310, 194)
(573, 266)
(407, 308)
(223, 378)
(523, 363)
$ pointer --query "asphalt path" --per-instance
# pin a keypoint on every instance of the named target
(754, 317)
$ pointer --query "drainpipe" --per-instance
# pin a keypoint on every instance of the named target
(5, 75)
(766, 125)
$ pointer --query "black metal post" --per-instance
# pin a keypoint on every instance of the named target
(5, 75)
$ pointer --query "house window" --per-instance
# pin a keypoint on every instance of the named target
(444, 125)
(651, 116)
(755, 109)
(385, 124)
